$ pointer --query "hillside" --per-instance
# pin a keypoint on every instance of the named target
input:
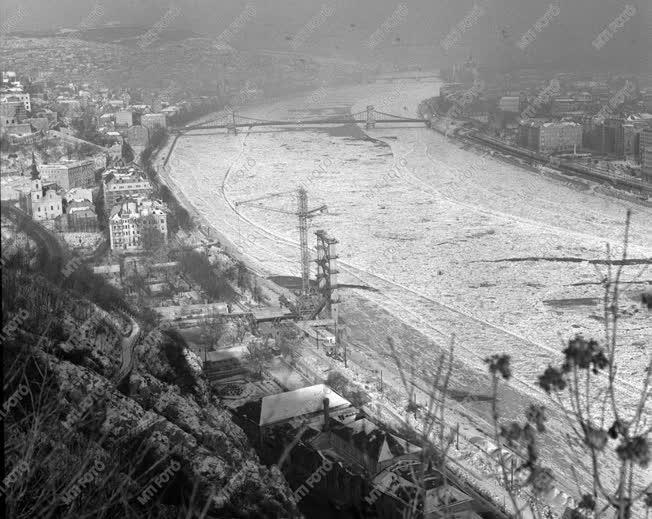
(158, 444)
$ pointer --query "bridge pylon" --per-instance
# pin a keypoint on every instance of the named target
(371, 118)
(230, 126)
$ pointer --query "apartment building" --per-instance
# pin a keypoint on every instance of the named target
(153, 121)
(646, 154)
(122, 182)
(16, 95)
(12, 112)
(550, 137)
(70, 174)
(133, 220)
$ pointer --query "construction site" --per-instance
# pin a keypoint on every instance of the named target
(308, 303)
(314, 307)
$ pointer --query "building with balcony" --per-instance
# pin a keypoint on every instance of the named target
(135, 222)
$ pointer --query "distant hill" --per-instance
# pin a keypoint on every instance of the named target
(491, 38)
(125, 35)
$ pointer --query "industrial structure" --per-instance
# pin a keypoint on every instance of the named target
(327, 272)
(312, 299)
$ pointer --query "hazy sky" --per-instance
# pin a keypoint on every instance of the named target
(492, 37)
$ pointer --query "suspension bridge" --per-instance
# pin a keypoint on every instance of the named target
(231, 121)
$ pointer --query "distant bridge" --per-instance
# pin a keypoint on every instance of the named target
(379, 79)
(232, 121)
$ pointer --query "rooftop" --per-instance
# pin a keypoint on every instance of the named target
(136, 207)
(237, 352)
(377, 443)
(129, 173)
(300, 402)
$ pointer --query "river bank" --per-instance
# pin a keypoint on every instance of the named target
(632, 190)
(385, 409)
(414, 217)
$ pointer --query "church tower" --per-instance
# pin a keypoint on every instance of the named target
(37, 185)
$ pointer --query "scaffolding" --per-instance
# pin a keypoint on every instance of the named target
(326, 270)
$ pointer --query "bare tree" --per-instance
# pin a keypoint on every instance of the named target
(288, 341)
(152, 239)
(258, 354)
(212, 328)
(613, 438)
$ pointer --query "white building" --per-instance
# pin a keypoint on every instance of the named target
(69, 174)
(16, 94)
(14, 187)
(43, 201)
(132, 219)
(153, 121)
(78, 194)
(8, 77)
(124, 181)
(557, 137)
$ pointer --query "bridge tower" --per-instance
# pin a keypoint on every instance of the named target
(231, 127)
(371, 117)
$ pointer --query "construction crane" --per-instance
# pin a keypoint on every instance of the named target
(303, 214)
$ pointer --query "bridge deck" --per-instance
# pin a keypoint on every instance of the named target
(296, 123)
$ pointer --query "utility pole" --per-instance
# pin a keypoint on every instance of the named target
(340, 342)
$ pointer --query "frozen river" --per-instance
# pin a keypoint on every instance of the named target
(427, 223)
(418, 210)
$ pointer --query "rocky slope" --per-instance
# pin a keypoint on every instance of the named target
(166, 443)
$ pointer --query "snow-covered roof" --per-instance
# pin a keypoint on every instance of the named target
(237, 352)
(300, 402)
